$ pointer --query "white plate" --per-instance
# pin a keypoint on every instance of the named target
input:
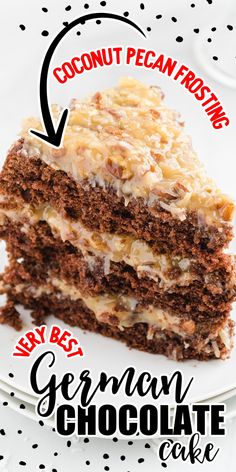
(102, 354)
(29, 410)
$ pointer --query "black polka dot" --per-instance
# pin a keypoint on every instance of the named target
(22, 463)
(106, 467)
(65, 23)
(126, 13)
(86, 6)
(130, 443)
(164, 464)
(142, 6)
(179, 39)
(19, 431)
(12, 394)
(53, 429)
(174, 19)
(105, 456)
(41, 466)
(10, 373)
(213, 29)
(215, 58)
(22, 406)
(114, 439)
(149, 29)
(158, 17)
(78, 33)
(230, 27)
(98, 22)
(86, 440)
(45, 33)
(209, 1)
(122, 458)
(87, 462)
(2, 432)
(45, 10)
(34, 446)
(147, 445)
(209, 40)
(1, 458)
(103, 4)
(54, 470)
(41, 423)
(68, 8)
(196, 30)
(140, 460)
(68, 443)
(55, 454)
(22, 27)
(192, 5)
(5, 403)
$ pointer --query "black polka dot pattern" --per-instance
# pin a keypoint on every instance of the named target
(45, 33)
(179, 39)
(158, 17)
(44, 9)
(230, 27)
(68, 8)
(174, 19)
(142, 6)
(22, 27)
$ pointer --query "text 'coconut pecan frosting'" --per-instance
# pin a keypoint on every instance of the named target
(120, 230)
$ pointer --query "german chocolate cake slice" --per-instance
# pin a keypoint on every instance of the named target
(120, 230)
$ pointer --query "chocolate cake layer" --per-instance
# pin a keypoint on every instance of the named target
(202, 346)
(39, 252)
(102, 209)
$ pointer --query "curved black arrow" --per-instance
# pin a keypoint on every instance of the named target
(53, 136)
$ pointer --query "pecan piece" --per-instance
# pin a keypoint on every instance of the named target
(58, 152)
(155, 114)
(114, 168)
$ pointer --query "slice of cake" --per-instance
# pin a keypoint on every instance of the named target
(120, 230)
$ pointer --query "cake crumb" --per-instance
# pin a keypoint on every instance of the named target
(10, 316)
